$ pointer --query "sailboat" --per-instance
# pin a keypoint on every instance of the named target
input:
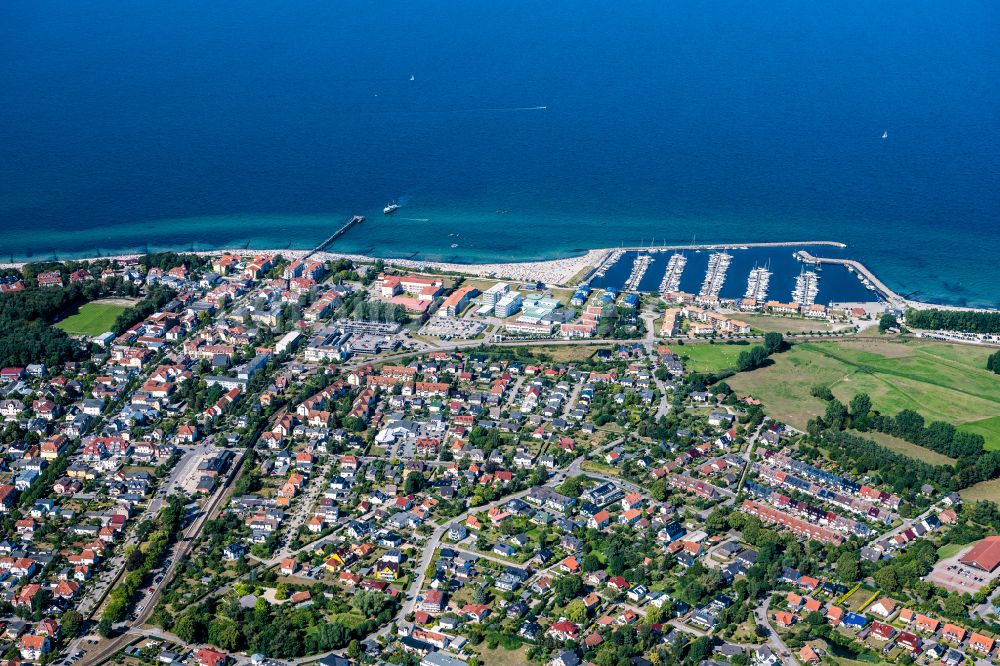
(412, 77)
(885, 135)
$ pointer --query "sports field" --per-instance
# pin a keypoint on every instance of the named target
(940, 381)
(92, 319)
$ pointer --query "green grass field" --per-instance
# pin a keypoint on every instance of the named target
(788, 324)
(986, 490)
(709, 358)
(92, 319)
(952, 549)
(940, 381)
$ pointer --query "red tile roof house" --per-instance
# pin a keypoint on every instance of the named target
(569, 565)
(953, 633)
(808, 655)
(475, 612)
(784, 618)
(433, 601)
(812, 605)
(210, 657)
(7, 495)
(50, 279)
(909, 642)
(882, 631)
(618, 583)
(928, 624)
(600, 519)
(563, 630)
(11, 374)
(33, 646)
(981, 644)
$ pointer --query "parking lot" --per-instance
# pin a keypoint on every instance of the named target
(954, 576)
(448, 328)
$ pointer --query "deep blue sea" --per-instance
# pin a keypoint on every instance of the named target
(142, 124)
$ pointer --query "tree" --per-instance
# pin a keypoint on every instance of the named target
(569, 586)
(105, 627)
(749, 360)
(415, 482)
(655, 614)
(909, 425)
(189, 628)
(848, 568)
(700, 649)
(835, 414)
(821, 391)
(886, 579)
(354, 649)
(575, 611)
(993, 362)
(72, 622)
(861, 406)
(224, 633)
(887, 321)
(370, 603)
(773, 342)
(955, 607)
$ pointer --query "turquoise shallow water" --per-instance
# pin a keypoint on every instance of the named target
(229, 124)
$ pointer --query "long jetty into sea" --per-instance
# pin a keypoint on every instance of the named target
(357, 219)
(887, 293)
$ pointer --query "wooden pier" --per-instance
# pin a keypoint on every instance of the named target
(357, 219)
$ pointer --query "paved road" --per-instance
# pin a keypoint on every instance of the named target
(774, 641)
(905, 525)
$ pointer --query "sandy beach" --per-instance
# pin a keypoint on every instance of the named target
(555, 271)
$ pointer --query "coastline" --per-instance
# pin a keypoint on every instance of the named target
(555, 272)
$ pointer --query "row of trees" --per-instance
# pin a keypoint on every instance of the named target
(758, 355)
(907, 424)
(993, 362)
(140, 560)
(902, 472)
(938, 435)
(954, 320)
